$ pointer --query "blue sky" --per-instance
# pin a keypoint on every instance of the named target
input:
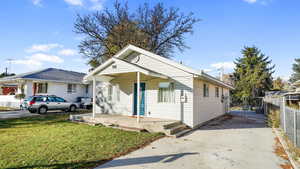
(39, 33)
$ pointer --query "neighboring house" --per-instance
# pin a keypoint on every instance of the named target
(168, 90)
(50, 81)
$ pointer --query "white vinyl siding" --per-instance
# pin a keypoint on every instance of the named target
(206, 108)
(183, 81)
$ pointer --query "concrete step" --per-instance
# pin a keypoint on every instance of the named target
(171, 125)
(176, 129)
(182, 133)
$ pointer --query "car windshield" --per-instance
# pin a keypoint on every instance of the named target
(58, 99)
(29, 98)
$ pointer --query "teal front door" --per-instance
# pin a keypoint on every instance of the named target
(142, 99)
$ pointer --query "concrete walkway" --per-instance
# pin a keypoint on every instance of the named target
(15, 114)
(231, 143)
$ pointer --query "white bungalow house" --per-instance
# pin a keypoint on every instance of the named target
(49, 81)
(165, 88)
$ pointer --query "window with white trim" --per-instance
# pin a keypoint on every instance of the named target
(86, 89)
(205, 90)
(217, 94)
(72, 88)
(166, 94)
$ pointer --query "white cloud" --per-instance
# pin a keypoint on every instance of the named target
(68, 52)
(46, 58)
(225, 65)
(250, 1)
(43, 47)
(74, 2)
(88, 4)
(37, 2)
(97, 4)
(262, 2)
(37, 60)
(28, 62)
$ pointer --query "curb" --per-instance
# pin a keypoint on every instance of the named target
(292, 161)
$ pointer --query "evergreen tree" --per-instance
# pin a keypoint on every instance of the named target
(296, 71)
(252, 76)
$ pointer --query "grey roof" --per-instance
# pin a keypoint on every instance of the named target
(49, 74)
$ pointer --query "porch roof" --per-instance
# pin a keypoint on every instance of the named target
(118, 66)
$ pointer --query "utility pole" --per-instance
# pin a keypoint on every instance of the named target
(9, 65)
(6, 73)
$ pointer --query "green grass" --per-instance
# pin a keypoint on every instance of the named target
(51, 141)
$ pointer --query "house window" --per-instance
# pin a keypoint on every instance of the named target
(110, 92)
(113, 92)
(222, 92)
(118, 92)
(42, 87)
(166, 93)
(217, 92)
(72, 88)
(205, 90)
(86, 89)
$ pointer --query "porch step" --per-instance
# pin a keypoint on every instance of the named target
(182, 133)
(171, 125)
(176, 129)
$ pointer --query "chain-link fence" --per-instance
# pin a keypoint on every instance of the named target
(289, 117)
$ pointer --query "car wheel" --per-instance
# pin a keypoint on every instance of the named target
(72, 108)
(42, 110)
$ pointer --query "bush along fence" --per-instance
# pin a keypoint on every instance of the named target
(287, 117)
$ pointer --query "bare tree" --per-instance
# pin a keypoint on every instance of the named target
(156, 29)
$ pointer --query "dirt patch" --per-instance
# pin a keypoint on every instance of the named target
(279, 151)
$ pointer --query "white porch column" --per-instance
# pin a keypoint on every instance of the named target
(94, 96)
(138, 97)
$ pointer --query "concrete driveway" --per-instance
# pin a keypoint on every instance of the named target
(240, 141)
(15, 114)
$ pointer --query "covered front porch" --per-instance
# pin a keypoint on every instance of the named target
(127, 95)
(166, 126)
(124, 88)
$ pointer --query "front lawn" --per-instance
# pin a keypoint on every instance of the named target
(51, 141)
